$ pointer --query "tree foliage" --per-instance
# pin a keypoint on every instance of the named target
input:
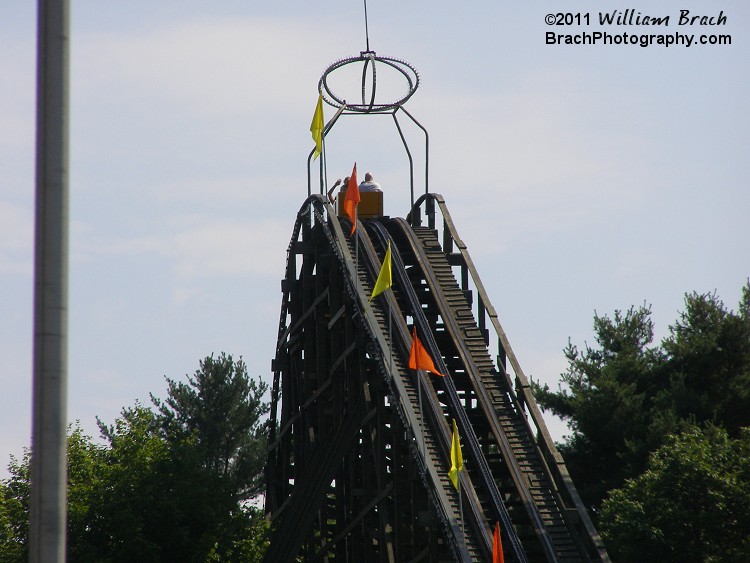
(691, 504)
(87, 469)
(610, 393)
(624, 396)
(222, 408)
(153, 495)
(170, 484)
(85, 466)
(14, 511)
(708, 362)
(659, 445)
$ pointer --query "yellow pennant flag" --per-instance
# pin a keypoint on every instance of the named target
(384, 277)
(316, 127)
(457, 460)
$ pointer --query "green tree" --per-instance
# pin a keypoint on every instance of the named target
(193, 463)
(223, 409)
(170, 484)
(691, 504)
(608, 402)
(708, 361)
(624, 396)
(155, 503)
(14, 511)
(85, 466)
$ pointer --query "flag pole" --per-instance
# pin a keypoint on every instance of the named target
(323, 164)
(356, 245)
(461, 505)
(390, 339)
(421, 411)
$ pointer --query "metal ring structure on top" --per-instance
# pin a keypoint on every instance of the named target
(371, 106)
(369, 58)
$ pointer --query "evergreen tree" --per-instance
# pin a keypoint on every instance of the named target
(624, 396)
(708, 362)
(222, 408)
(608, 402)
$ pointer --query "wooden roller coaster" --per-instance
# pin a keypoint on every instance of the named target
(360, 444)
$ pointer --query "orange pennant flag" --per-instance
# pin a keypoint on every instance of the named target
(497, 546)
(418, 356)
(351, 199)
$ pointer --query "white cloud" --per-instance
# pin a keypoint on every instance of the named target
(182, 295)
(222, 191)
(231, 248)
(197, 246)
(206, 69)
(523, 141)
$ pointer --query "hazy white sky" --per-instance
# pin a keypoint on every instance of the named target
(582, 178)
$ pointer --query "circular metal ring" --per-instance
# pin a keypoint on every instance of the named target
(368, 58)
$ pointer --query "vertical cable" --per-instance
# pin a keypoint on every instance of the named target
(367, 33)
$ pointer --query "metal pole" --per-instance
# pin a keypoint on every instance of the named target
(461, 505)
(356, 243)
(421, 411)
(48, 511)
(323, 167)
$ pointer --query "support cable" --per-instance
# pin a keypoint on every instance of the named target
(367, 33)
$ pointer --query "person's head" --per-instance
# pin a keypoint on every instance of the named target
(368, 177)
(345, 183)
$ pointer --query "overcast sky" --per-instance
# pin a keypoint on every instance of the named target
(582, 178)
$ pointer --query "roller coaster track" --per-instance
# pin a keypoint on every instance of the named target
(359, 448)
